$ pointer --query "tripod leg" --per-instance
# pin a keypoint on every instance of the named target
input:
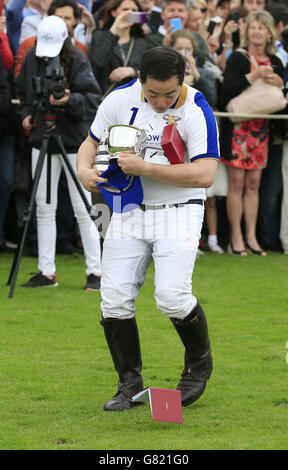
(27, 217)
(72, 173)
(48, 185)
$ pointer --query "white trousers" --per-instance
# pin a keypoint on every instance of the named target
(169, 237)
(46, 217)
(284, 204)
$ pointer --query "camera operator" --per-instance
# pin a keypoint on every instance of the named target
(65, 101)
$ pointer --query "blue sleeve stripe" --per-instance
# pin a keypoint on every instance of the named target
(214, 156)
(212, 133)
(93, 136)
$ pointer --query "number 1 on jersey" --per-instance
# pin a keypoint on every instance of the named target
(134, 112)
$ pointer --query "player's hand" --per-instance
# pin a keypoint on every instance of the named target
(89, 177)
(131, 163)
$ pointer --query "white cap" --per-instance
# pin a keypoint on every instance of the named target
(51, 34)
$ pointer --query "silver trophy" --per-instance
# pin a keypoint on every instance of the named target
(118, 138)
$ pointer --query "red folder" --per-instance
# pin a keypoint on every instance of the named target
(173, 145)
(165, 403)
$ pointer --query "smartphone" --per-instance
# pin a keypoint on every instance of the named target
(235, 16)
(1, 7)
(211, 27)
(176, 23)
(140, 17)
(212, 23)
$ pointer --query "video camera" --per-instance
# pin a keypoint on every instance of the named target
(52, 84)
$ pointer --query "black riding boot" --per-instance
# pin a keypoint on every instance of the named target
(198, 366)
(123, 341)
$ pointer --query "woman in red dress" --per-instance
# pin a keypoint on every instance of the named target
(248, 152)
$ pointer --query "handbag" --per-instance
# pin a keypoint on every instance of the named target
(259, 98)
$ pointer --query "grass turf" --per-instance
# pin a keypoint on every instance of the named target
(56, 371)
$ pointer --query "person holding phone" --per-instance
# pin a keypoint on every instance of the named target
(174, 16)
(172, 10)
(117, 44)
(230, 37)
(183, 41)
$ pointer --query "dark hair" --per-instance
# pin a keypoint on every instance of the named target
(221, 2)
(67, 54)
(65, 3)
(106, 20)
(279, 13)
(162, 63)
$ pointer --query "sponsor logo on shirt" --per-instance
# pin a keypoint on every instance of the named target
(171, 119)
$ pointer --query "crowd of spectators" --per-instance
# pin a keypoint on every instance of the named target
(247, 207)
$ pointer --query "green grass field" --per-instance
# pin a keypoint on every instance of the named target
(56, 372)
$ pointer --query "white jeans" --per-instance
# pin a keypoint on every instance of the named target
(284, 204)
(46, 217)
(169, 237)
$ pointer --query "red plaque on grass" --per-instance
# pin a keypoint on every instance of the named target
(165, 403)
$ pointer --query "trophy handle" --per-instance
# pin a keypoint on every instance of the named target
(142, 135)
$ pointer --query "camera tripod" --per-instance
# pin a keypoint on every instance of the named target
(50, 132)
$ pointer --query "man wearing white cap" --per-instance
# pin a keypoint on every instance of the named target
(72, 113)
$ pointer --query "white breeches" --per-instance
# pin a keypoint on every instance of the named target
(170, 237)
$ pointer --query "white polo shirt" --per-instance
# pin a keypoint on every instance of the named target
(191, 114)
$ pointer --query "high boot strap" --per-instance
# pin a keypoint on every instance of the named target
(193, 331)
